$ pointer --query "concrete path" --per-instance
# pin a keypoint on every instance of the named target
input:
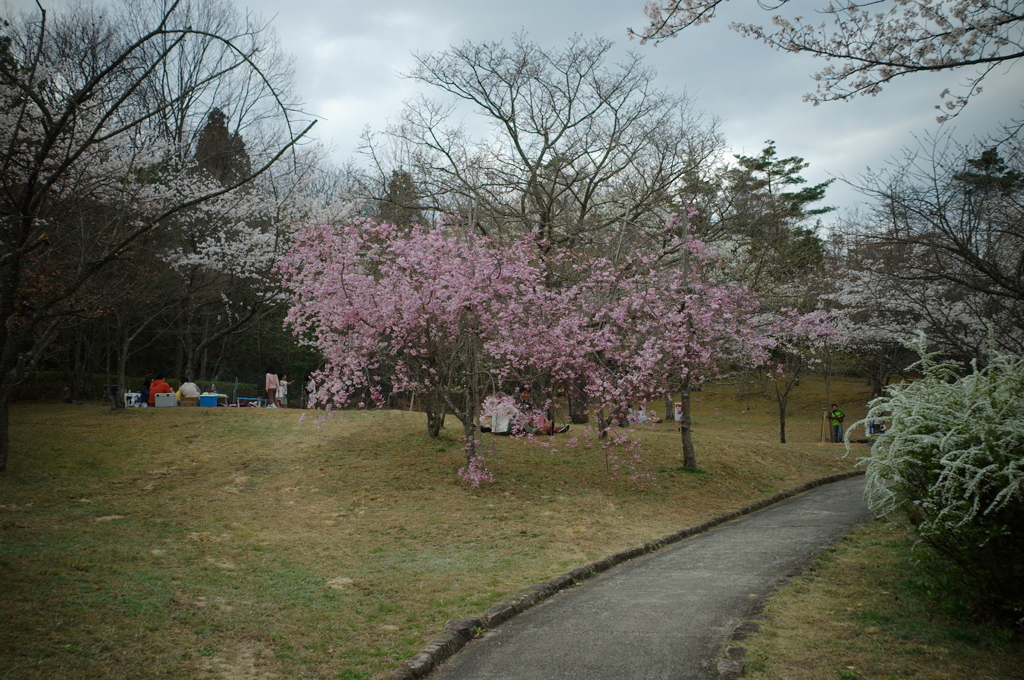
(666, 614)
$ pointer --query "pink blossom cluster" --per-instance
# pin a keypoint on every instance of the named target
(437, 311)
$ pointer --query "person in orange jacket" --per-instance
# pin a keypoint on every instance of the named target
(159, 386)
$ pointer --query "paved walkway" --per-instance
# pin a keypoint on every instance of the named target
(666, 614)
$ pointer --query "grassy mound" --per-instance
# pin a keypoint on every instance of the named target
(243, 543)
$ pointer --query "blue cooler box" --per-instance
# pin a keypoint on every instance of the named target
(208, 401)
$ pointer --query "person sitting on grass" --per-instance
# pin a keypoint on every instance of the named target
(158, 386)
(530, 419)
(143, 398)
(642, 415)
(188, 394)
(497, 414)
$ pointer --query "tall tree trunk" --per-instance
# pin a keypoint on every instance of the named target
(191, 363)
(877, 384)
(79, 369)
(685, 428)
(783, 401)
(577, 402)
(828, 378)
(471, 426)
(203, 354)
(122, 372)
(5, 441)
(470, 431)
(685, 420)
(782, 397)
(125, 339)
(15, 366)
(68, 374)
(218, 363)
(179, 357)
(106, 379)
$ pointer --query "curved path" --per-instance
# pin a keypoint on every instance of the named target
(666, 614)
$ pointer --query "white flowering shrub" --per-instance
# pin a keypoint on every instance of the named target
(953, 460)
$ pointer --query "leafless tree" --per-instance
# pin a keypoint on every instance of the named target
(578, 146)
(957, 214)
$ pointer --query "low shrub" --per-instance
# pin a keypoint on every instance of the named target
(953, 460)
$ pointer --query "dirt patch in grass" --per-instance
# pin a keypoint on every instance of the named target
(241, 543)
(866, 611)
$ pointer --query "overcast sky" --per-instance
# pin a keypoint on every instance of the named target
(349, 54)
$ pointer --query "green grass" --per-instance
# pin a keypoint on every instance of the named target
(867, 609)
(239, 543)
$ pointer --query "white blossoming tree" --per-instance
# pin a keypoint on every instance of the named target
(869, 44)
(953, 461)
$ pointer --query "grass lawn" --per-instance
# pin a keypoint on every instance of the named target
(241, 543)
(866, 610)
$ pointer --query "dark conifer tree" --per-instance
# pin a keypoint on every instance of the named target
(221, 153)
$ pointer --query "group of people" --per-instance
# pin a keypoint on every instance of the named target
(188, 394)
(516, 416)
(520, 416)
(152, 387)
(277, 389)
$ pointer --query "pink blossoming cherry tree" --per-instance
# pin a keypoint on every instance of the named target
(443, 315)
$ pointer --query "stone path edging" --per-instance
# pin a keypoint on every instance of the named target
(732, 663)
(460, 631)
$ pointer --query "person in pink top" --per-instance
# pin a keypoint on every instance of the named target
(272, 386)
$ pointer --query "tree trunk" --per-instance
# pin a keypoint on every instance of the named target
(5, 440)
(106, 379)
(685, 422)
(577, 402)
(79, 369)
(122, 371)
(685, 425)
(828, 380)
(782, 420)
(218, 364)
(435, 422)
(877, 384)
(203, 353)
(191, 363)
(471, 425)
(470, 431)
(782, 397)
(179, 356)
(435, 410)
